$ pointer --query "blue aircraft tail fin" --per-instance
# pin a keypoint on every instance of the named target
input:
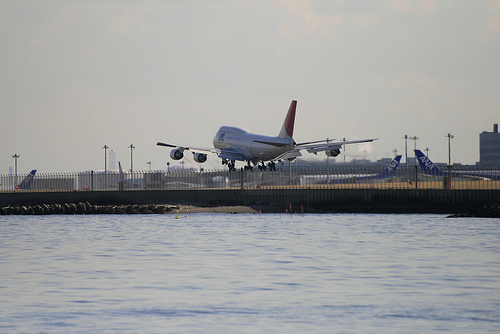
(27, 183)
(390, 170)
(426, 164)
(122, 175)
(393, 166)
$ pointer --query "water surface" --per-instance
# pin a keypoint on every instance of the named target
(249, 273)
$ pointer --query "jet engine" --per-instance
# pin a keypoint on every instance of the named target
(199, 157)
(333, 153)
(176, 154)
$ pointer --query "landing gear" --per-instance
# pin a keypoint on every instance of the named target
(230, 164)
(248, 166)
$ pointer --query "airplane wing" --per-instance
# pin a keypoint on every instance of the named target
(194, 149)
(224, 153)
(318, 146)
(326, 145)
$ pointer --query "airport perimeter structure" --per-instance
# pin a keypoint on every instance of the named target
(339, 189)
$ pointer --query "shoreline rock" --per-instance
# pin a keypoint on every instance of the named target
(486, 211)
(85, 208)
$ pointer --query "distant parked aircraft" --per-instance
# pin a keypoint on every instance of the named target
(387, 173)
(27, 183)
(232, 143)
(129, 182)
(428, 167)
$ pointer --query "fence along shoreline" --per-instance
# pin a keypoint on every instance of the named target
(324, 190)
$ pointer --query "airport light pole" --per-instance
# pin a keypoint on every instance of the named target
(132, 147)
(406, 149)
(16, 156)
(149, 163)
(105, 147)
(415, 138)
(450, 137)
(343, 139)
(406, 154)
(327, 157)
(427, 152)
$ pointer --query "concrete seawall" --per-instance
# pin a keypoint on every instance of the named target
(327, 200)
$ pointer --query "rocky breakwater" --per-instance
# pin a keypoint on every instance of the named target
(485, 211)
(85, 208)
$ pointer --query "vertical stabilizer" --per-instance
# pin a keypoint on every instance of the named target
(394, 164)
(122, 175)
(287, 128)
(27, 183)
(427, 165)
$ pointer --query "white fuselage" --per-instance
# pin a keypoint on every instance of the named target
(253, 147)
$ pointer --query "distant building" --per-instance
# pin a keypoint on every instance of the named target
(489, 147)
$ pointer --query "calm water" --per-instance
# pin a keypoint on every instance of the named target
(249, 273)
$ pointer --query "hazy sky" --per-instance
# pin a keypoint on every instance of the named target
(78, 75)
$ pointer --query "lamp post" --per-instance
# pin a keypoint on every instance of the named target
(16, 156)
(406, 149)
(406, 154)
(131, 159)
(149, 163)
(105, 147)
(415, 138)
(450, 137)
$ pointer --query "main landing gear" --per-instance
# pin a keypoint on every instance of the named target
(262, 167)
(248, 166)
(272, 166)
(230, 164)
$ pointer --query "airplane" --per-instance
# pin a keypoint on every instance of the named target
(27, 183)
(387, 173)
(428, 167)
(129, 182)
(237, 144)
